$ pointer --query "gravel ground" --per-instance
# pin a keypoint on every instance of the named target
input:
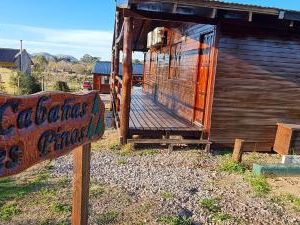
(175, 182)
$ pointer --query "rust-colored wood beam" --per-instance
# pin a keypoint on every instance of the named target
(127, 77)
(115, 56)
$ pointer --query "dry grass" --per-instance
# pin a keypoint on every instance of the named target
(109, 141)
(5, 75)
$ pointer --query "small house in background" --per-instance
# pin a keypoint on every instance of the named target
(11, 59)
(101, 75)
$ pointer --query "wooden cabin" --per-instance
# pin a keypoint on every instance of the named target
(102, 71)
(213, 71)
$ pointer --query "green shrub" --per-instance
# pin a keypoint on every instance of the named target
(220, 217)
(175, 220)
(60, 207)
(259, 184)
(7, 211)
(294, 200)
(210, 204)
(96, 190)
(61, 86)
(230, 166)
(25, 84)
(107, 218)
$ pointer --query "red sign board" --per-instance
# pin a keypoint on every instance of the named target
(45, 126)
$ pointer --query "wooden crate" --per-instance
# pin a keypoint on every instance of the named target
(287, 139)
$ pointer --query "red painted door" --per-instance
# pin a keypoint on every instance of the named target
(205, 66)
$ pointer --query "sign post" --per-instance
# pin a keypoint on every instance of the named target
(48, 125)
(81, 181)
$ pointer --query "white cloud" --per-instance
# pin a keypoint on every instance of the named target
(75, 42)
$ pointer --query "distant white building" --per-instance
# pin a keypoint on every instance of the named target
(11, 59)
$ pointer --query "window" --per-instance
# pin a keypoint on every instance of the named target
(105, 79)
(153, 63)
(160, 63)
(175, 61)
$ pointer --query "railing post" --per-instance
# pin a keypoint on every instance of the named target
(127, 77)
(116, 69)
(119, 93)
(115, 58)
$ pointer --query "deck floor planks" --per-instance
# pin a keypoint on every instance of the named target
(157, 110)
(133, 122)
(174, 121)
(142, 117)
(161, 123)
(143, 110)
(148, 116)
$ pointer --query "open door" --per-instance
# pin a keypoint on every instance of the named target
(205, 67)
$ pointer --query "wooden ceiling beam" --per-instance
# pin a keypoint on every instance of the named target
(167, 17)
(214, 4)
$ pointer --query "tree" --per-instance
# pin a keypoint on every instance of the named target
(89, 59)
(52, 66)
(25, 83)
(61, 86)
(79, 68)
(40, 63)
(64, 66)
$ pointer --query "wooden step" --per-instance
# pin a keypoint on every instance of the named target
(168, 141)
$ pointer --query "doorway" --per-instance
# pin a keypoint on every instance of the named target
(205, 67)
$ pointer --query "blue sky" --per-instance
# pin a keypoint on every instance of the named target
(72, 27)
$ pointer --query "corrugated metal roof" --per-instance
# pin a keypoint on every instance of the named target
(8, 55)
(104, 67)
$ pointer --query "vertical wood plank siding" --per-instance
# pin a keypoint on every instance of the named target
(97, 82)
(176, 92)
(257, 86)
(99, 85)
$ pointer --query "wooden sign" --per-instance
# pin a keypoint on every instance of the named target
(45, 126)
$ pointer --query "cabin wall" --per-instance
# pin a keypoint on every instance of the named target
(96, 82)
(99, 85)
(26, 63)
(170, 72)
(257, 86)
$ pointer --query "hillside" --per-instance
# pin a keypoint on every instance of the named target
(59, 57)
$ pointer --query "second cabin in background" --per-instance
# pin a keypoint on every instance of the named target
(101, 75)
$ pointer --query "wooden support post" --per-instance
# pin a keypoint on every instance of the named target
(115, 57)
(116, 70)
(112, 80)
(127, 77)
(81, 184)
(238, 150)
(116, 47)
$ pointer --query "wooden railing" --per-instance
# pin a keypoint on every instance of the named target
(116, 89)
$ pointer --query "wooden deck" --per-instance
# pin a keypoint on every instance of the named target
(153, 120)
